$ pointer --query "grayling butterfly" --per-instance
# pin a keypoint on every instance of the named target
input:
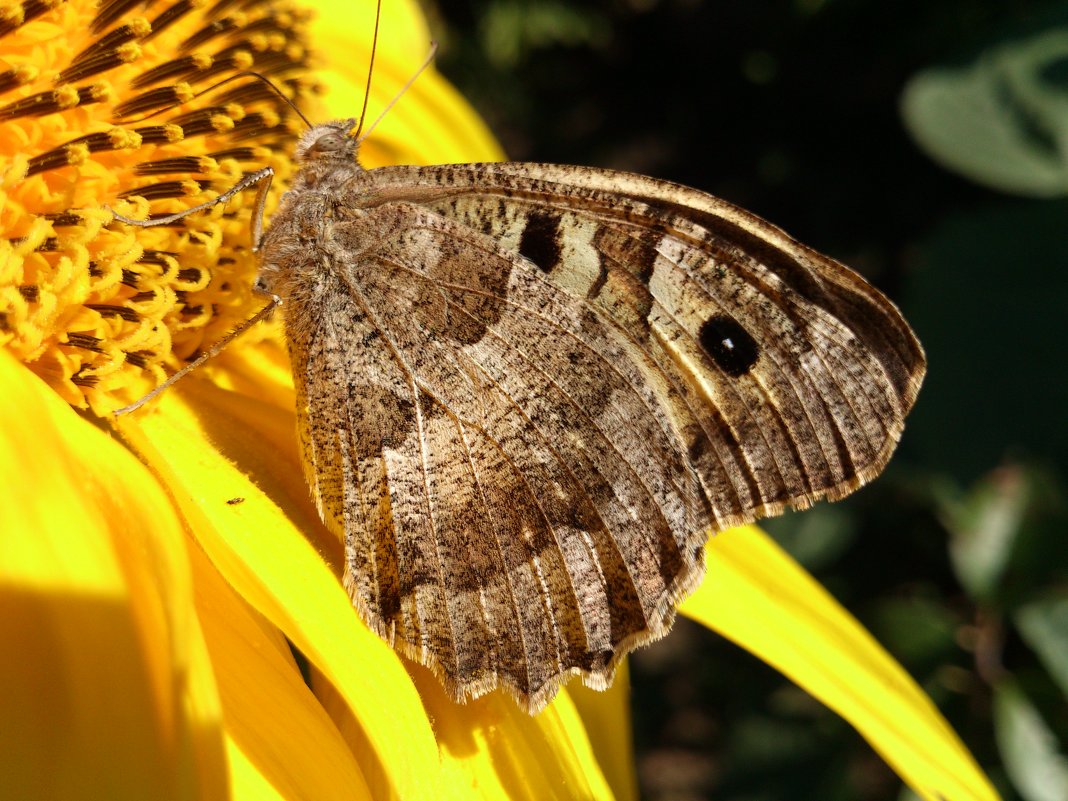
(526, 393)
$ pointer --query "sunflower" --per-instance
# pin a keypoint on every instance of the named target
(172, 613)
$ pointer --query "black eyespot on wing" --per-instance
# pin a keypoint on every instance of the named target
(540, 241)
(729, 345)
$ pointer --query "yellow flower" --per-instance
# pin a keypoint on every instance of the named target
(173, 621)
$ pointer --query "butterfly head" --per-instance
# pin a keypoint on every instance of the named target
(331, 141)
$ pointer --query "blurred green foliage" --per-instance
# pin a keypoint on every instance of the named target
(1000, 119)
(925, 144)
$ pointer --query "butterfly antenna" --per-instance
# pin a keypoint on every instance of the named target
(429, 60)
(243, 74)
(370, 71)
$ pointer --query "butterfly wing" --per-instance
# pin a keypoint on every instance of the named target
(800, 372)
(528, 391)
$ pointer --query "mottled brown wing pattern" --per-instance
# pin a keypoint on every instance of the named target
(526, 392)
(810, 398)
(516, 504)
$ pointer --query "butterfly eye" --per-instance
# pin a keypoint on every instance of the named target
(328, 142)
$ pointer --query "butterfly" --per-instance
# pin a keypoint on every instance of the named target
(526, 393)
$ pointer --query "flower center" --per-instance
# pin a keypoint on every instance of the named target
(89, 118)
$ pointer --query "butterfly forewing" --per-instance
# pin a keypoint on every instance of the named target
(526, 392)
(811, 370)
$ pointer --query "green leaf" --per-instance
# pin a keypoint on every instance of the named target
(916, 629)
(1002, 120)
(984, 526)
(815, 538)
(1044, 627)
(511, 29)
(1035, 765)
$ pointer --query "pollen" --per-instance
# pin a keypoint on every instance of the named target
(101, 109)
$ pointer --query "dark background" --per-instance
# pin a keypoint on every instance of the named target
(792, 109)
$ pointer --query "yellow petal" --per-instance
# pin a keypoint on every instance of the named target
(260, 549)
(492, 748)
(431, 122)
(106, 685)
(280, 740)
(759, 597)
(606, 715)
(340, 26)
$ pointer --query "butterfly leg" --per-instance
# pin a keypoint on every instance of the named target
(261, 179)
(273, 303)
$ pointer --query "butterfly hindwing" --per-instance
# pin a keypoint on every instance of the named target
(516, 502)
